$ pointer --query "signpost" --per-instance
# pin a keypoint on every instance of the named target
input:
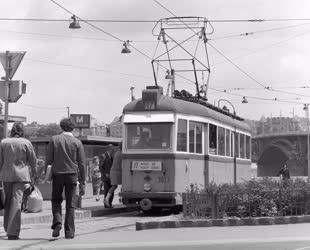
(12, 90)
(80, 121)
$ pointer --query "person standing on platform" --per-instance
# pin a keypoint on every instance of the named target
(17, 171)
(66, 155)
(105, 167)
(115, 175)
(96, 177)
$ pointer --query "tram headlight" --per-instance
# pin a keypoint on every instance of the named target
(147, 187)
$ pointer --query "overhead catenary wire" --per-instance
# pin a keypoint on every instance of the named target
(86, 68)
(100, 29)
(255, 20)
(40, 107)
(235, 65)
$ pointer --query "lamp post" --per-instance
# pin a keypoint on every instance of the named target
(306, 108)
(235, 134)
(68, 112)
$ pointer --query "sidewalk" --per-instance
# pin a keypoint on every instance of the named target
(90, 208)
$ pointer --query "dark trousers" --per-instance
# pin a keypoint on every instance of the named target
(69, 183)
(107, 185)
(12, 207)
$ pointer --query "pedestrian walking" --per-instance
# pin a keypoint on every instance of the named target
(116, 176)
(105, 168)
(96, 177)
(17, 171)
(284, 173)
(66, 155)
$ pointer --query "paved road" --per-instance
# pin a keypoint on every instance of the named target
(118, 232)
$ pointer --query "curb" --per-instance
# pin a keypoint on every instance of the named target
(80, 214)
(249, 221)
(99, 211)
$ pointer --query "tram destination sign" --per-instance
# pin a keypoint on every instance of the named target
(146, 166)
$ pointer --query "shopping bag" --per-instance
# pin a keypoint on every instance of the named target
(48, 175)
(33, 202)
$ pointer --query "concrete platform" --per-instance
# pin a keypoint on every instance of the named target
(90, 208)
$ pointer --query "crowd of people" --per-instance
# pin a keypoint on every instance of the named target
(66, 163)
(106, 174)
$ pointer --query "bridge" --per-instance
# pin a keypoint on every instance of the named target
(272, 151)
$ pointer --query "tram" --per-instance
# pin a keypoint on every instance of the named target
(170, 143)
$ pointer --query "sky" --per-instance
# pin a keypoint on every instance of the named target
(84, 70)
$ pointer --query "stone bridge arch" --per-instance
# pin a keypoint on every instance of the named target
(278, 152)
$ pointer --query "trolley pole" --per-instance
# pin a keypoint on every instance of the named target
(235, 136)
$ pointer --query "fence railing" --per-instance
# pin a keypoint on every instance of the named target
(241, 204)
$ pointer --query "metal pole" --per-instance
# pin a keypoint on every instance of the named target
(68, 111)
(7, 91)
(308, 149)
(235, 156)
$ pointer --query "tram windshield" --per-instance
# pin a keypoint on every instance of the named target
(148, 135)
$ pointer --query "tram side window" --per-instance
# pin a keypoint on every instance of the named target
(182, 135)
(195, 137)
(221, 141)
(237, 145)
(242, 146)
(232, 143)
(199, 138)
(212, 139)
(227, 135)
(248, 147)
(191, 137)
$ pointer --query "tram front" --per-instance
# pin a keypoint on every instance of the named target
(147, 159)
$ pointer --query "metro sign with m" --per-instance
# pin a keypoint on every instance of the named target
(80, 120)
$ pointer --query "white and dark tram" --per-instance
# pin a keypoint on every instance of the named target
(170, 143)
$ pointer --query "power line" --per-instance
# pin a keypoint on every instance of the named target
(151, 21)
(86, 68)
(100, 29)
(258, 98)
(240, 69)
(258, 31)
(40, 107)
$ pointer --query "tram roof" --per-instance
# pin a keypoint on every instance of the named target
(180, 106)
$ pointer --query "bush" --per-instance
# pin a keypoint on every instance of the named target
(265, 197)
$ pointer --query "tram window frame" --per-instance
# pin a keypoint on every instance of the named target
(180, 143)
(227, 142)
(212, 139)
(221, 140)
(248, 147)
(232, 141)
(153, 141)
(236, 145)
(195, 138)
(242, 146)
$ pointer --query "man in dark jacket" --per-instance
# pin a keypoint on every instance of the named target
(105, 168)
(66, 155)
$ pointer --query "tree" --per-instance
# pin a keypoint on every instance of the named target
(48, 130)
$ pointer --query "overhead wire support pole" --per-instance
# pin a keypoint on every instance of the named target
(7, 94)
